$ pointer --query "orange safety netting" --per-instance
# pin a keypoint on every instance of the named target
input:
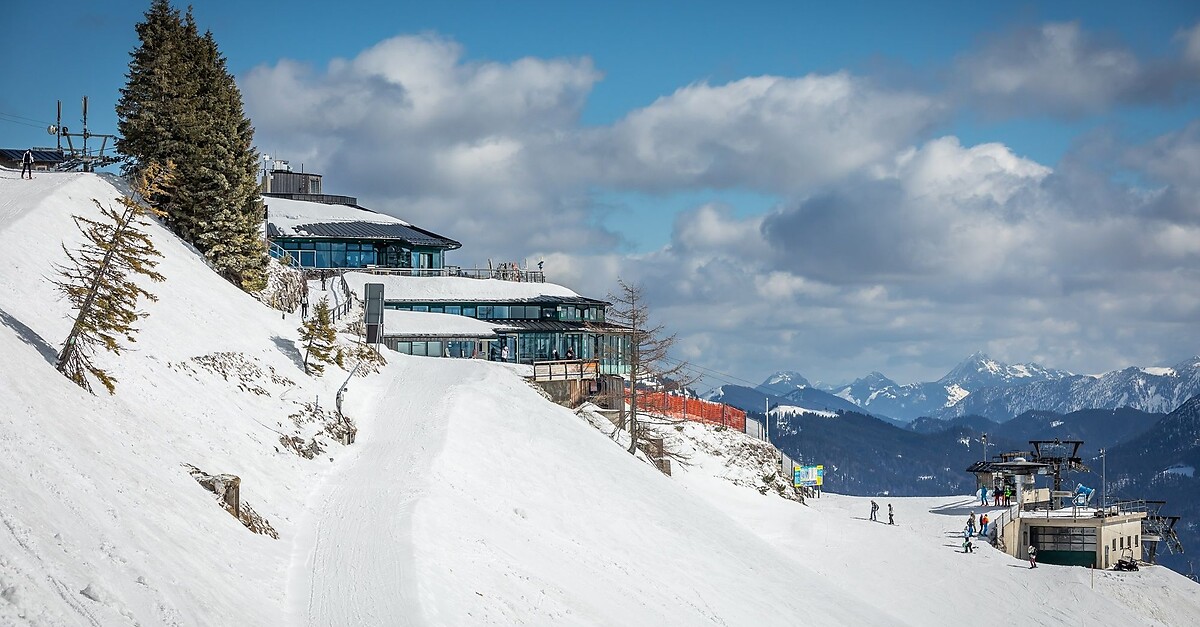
(692, 409)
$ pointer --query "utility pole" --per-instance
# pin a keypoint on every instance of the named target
(1103, 481)
(767, 418)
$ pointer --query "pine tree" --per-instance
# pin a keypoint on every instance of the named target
(320, 339)
(181, 103)
(648, 349)
(99, 284)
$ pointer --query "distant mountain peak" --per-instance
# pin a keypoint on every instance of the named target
(783, 382)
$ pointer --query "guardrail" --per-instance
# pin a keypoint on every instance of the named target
(566, 370)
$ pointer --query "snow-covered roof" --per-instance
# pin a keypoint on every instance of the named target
(421, 324)
(461, 289)
(289, 217)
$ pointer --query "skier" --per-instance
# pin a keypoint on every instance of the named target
(983, 496)
(891, 521)
(967, 546)
(983, 525)
(27, 164)
(1032, 556)
(874, 508)
(971, 524)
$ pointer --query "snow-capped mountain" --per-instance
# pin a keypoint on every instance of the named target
(863, 389)
(977, 372)
(1148, 389)
(782, 382)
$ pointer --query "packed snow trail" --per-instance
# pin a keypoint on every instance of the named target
(469, 499)
(362, 512)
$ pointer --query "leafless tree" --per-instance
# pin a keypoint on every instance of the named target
(647, 350)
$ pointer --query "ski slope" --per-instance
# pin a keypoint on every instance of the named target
(467, 499)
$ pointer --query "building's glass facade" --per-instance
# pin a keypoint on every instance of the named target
(326, 253)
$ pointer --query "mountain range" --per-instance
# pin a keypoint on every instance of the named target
(982, 386)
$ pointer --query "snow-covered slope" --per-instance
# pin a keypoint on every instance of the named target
(467, 498)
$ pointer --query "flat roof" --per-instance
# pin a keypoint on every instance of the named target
(443, 289)
(421, 324)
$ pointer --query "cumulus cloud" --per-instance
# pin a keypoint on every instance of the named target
(415, 130)
(767, 132)
(945, 250)
(1060, 69)
(494, 154)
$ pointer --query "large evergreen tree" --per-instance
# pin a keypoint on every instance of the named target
(99, 281)
(181, 103)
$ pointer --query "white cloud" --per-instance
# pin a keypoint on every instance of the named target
(1059, 68)
(767, 132)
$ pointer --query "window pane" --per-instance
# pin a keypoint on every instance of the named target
(420, 308)
(419, 348)
(500, 312)
(469, 312)
(435, 349)
(436, 310)
(454, 309)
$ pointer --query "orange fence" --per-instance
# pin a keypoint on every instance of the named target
(692, 409)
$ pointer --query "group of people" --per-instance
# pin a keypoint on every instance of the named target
(875, 511)
(570, 353)
(1001, 496)
(983, 524)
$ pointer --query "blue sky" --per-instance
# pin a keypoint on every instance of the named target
(699, 146)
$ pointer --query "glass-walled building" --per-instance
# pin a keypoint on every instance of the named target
(532, 321)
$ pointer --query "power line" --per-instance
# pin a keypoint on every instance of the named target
(716, 374)
(20, 117)
(4, 118)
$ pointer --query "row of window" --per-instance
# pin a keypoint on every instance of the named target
(1063, 538)
(463, 349)
(507, 312)
(329, 254)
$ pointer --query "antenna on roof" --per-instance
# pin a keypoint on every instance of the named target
(81, 157)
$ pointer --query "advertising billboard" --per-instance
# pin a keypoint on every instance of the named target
(809, 476)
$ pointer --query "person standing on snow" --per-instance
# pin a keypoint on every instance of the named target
(971, 523)
(1032, 556)
(967, 546)
(891, 521)
(504, 353)
(27, 164)
(983, 525)
(874, 508)
(983, 496)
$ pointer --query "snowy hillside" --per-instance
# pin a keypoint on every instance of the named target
(467, 499)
